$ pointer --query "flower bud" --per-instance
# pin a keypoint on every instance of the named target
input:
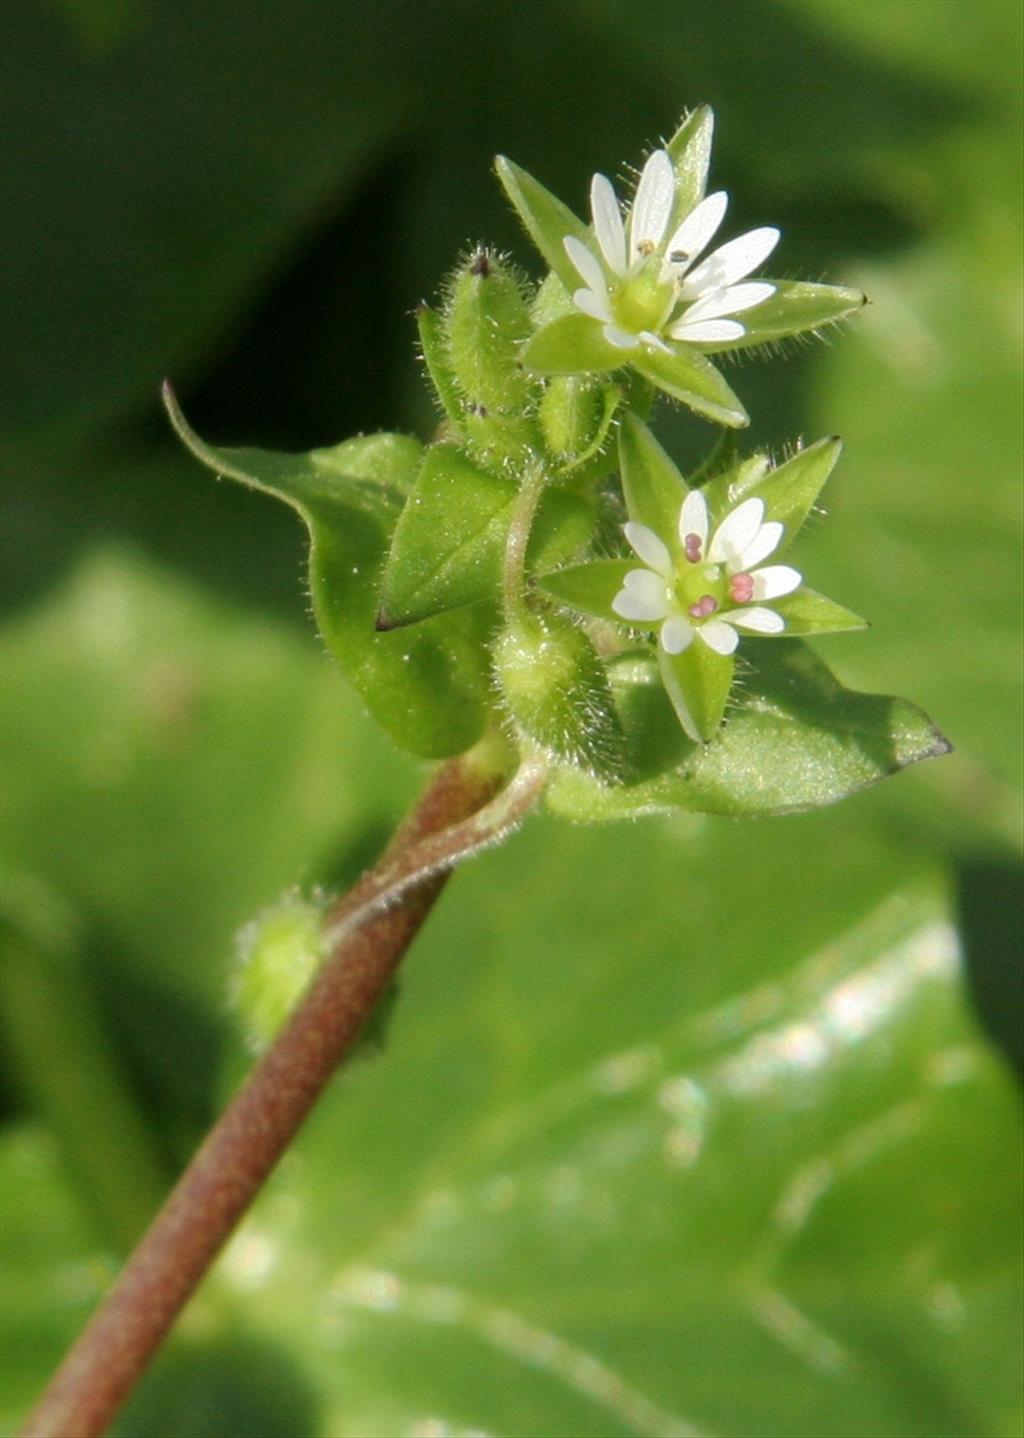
(557, 693)
(570, 415)
(278, 954)
(486, 321)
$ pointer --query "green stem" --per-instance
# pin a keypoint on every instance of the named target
(523, 515)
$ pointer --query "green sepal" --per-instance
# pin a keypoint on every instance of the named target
(552, 301)
(576, 417)
(557, 694)
(808, 612)
(793, 309)
(429, 689)
(690, 152)
(789, 491)
(546, 219)
(574, 344)
(697, 683)
(795, 739)
(434, 351)
(450, 539)
(654, 489)
(590, 588)
(692, 379)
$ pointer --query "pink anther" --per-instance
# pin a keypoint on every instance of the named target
(692, 548)
(705, 605)
(741, 588)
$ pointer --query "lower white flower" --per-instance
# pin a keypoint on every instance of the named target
(657, 287)
(717, 587)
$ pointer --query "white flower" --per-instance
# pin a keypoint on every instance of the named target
(656, 286)
(715, 588)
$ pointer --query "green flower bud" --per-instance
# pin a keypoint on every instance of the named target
(486, 321)
(570, 415)
(278, 953)
(557, 694)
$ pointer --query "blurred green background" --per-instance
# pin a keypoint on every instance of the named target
(681, 1128)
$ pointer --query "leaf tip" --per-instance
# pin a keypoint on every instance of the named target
(383, 622)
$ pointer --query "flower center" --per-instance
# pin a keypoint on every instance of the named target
(701, 589)
(642, 302)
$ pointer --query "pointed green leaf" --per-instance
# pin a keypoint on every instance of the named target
(448, 544)
(435, 357)
(430, 689)
(697, 682)
(590, 588)
(546, 220)
(653, 487)
(573, 344)
(807, 612)
(794, 739)
(789, 491)
(557, 694)
(691, 378)
(794, 309)
(690, 149)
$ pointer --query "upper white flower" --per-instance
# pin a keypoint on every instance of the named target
(716, 588)
(657, 287)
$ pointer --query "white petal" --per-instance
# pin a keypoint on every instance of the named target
(764, 542)
(693, 518)
(653, 203)
(587, 263)
(593, 305)
(645, 543)
(731, 262)
(705, 332)
(760, 621)
(611, 236)
(676, 634)
(698, 230)
(730, 301)
(654, 342)
(621, 339)
(719, 636)
(736, 531)
(776, 580)
(643, 596)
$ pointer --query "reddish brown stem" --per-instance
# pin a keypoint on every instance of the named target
(239, 1153)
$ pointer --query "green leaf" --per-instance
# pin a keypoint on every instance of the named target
(546, 220)
(691, 378)
(807, 612)
(690, 149)
(794, 309)
(795, 739)
(687, 1155)
(573, 344)
(450, 539)
(590, 588)
(698, 683)
(430, 689)
(653, 487)
(390, 460)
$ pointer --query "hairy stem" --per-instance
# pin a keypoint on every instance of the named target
(514, 569)
(371, 928)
